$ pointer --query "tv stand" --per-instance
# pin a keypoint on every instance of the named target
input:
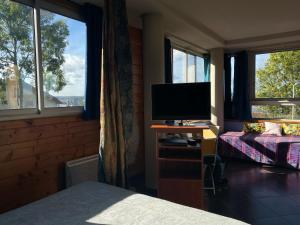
(180, 169)
(181, 123)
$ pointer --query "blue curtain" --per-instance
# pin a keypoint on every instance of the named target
(168, 61)
(93, 20)
(227, 98)
(241, 99)
(206, 67)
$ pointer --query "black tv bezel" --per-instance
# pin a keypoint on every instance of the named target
(187, 117)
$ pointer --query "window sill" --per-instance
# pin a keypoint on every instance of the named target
(8, 115)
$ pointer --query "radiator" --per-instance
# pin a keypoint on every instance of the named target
(80, 170)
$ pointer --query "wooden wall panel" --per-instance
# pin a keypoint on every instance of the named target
(33, 153)
(136, 156)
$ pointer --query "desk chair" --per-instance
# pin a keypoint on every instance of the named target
(209, 146)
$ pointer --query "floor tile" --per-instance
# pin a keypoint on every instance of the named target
(271, 221)
(292, 219)
(281, 205)
(257, 194)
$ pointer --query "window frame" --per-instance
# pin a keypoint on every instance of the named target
(254, 101)
(40, 110)
(187, 52)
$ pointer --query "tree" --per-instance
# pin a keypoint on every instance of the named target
(17, 46)
(278, 78)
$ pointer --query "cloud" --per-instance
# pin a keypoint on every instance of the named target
(74, 69)
(178, 55)
(74, 65)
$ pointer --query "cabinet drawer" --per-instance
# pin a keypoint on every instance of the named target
(182, 191)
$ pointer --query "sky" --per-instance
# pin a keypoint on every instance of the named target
(179, 67)
(75, 61)
(75, 58)
(261, 60)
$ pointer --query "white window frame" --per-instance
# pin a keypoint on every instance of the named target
(187, 52)
(267, 101)
(41, 110)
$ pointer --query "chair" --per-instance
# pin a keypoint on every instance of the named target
(209, 146)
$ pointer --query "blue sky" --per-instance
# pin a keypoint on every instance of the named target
(75, 58)
(179, 67)
(261, 60)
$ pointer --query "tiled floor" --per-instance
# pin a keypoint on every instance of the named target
(259, 195)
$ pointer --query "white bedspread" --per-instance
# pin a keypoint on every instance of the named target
(93, 203)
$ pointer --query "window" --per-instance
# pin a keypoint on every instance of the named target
(63, 85)
(187, 67)
(232, 64)
(17, 62)
(276, 92)
(44, 46)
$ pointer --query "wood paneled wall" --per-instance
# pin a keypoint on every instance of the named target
(136, 154)
(33, 153)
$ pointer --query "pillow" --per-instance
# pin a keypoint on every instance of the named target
(291, 129)
(254, 127)
(272, 129)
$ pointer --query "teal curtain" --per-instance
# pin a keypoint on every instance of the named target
(168, 61)
(206, 58)
(93, 20)
(241, 98)
(116, 105)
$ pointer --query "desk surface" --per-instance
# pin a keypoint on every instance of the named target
(183, 129)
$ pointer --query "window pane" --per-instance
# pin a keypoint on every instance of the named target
(191, 69)
(17, 62)
(276, 111)
(179, 66)
(232, 63)
(199, 69)
(278, 75)
(63, 59)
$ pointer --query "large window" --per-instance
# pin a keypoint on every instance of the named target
(276, 92)
(17, 57)
(187, 67)
(42, 58)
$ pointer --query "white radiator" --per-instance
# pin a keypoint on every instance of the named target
(80, 170)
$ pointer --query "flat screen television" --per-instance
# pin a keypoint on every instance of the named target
(189, 101)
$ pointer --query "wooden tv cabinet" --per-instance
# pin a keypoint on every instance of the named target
(180, 168)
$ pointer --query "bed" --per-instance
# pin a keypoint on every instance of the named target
(91, 203)
(272, 150)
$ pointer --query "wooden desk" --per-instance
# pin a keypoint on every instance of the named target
(180, 170)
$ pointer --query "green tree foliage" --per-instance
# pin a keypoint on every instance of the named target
(17, 45)
(278, 78)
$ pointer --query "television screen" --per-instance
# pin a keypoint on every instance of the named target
(189, 101)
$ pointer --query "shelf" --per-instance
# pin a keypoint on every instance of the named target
(178, 129)
(180, 167)
(179, 159)
(186, 179)
(180, 176)
(183, 147)
(178, 153)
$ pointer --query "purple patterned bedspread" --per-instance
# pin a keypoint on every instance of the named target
(273, 150)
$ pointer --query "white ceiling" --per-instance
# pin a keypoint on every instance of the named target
(223, 23)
